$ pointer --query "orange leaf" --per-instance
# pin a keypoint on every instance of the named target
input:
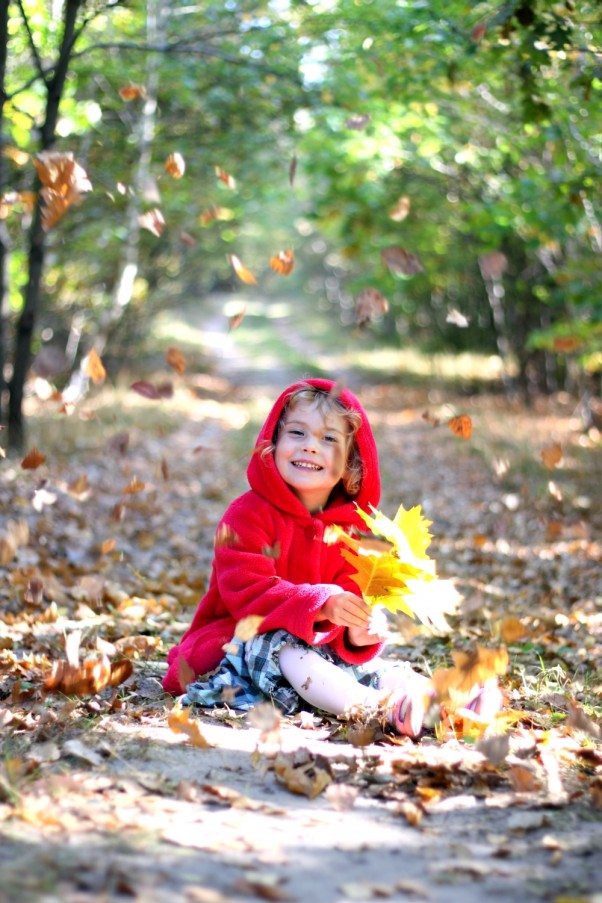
(153, 220)
(132, 92)
(236, 319)
(107, 546)
(225, 177)
(63, 182)
(176, 360)
(134, 487)
(175, 165)
(283, 262)
(566, 344)
(241, 271)
(401, 209)
(33, 459)
(94, 367)
(370, 305)
(461, 426)
(401, 262)
(180, 723)
(551, 455)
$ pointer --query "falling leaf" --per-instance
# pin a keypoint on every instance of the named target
(453, 686)
(551, 455)
(495, 748)
(283, 262)
(187, 239)
(225, 536)
(512, 629)
(272, 551)
(493, 266)
(186, 674)
(567, 344)
(241, 271)
(578, 720)
(358, 122)
(430, 418)
(401, 209)
(93, 367)
(225, 177)
(107, 546)
(248, 627)
(153, 220)
(80, 487)
(401, 262)
(478, 31)
(175, 165)
(176, 360)
(87, 678)
(524, 778)
(63, 183)
(236, 319)
(134, 487)
(370, 305)
(33, 459)
(456, 318)
(212, 213)
(461, 426)
(292, 170)
(180, 722)
(146, 389)
(132, 92)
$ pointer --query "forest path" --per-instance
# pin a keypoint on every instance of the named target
(100, 802)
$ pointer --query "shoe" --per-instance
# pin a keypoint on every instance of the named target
(410, 706)
(487, 702)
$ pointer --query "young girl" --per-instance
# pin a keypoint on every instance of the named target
(314, 464)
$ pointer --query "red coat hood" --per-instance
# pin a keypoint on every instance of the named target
(265, 480)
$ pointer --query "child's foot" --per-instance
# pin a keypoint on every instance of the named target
(487, 702)
(410, 706)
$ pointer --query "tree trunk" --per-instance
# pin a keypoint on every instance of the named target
(4, 249)
(31, 301)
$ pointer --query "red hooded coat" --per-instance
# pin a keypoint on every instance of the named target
(288, 590)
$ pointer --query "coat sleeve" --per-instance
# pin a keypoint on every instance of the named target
(249, 585)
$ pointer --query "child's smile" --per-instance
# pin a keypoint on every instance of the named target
(311, 453)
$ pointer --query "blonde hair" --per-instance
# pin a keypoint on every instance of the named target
(328, 403)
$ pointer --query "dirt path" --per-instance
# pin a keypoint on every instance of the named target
(107, 803)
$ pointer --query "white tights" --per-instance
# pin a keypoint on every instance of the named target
(326, 686)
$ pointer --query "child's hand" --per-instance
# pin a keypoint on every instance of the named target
(347, 610)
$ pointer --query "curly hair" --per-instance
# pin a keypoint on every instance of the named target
(328, 403)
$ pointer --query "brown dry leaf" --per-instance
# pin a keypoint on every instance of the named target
(80, 487)
(225, 177)
(266, 887)
(245, 275)
(401, 209)
(412, 812)
(153, 220)
(307, 778)
(401, 262)
(63, 183)
(132, 92)
(175, 165)
(146, 389)
(478, 31)
(107, 546)
(370, 305)
(93, 367)
(186, 674)
(292, 170)
(524, 778)
(180, 722)
(225, 536)
(579, 720)
(85, 679)
(512, 629)
(283, 262)
(471, 669)
(248, 627)
(176, 360)
(551, 455)
(566, 344)
(430, 418)
(236, 319)
(33, 459)
(134, 487)
(461, 426)
(138, 646)
(272, 551)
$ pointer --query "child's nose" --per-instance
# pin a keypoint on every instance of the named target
(309, 443)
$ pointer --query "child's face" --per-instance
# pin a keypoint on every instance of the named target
(311, 453)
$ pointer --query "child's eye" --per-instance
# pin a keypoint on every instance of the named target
(331, 438)
(294, 432)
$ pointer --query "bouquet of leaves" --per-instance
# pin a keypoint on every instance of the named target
(392, 568)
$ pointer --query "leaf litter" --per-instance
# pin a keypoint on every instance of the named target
(76, 740)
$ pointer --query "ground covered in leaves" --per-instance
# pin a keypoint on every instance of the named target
(108, 791)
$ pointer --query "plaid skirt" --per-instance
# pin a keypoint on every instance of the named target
(250, 673)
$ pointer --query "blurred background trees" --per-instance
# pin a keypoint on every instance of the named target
(446, 155)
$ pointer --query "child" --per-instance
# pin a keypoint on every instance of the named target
(315, 462)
